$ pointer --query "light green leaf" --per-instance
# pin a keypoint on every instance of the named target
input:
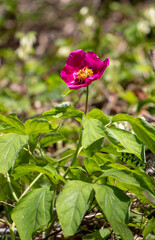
(97, 235)
(64, 110)
(10, 146)
(72, 203)
(143, 129)
(25, 169)
(91, 166)
(94, 147)
(51, 138)
(66, 91)
(36, 126)
(115, 205)
(149, 227)
(11, 124)
(135, 181)
(93, 131)
(131, 142)
(33, 212)
(98, 114)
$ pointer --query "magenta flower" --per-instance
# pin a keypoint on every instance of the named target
(82, 68)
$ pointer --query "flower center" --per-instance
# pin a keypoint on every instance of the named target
(83, 74)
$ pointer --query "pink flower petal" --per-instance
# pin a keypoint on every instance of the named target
(101, 70)
(76, 59)
(92, 61)
(67, 73)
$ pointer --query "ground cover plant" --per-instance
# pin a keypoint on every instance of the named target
(101, 181)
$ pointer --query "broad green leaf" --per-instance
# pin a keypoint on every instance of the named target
(97, 235)
(91, 166)
(143, 129)
(24, 155)
(113, 138)
(98, 114)
(115, 205)
(36, 126)
(10, 146)
(149, 227)
(95, 130)
(94, 147)
(130, 141)
(11, 124)
(78, 173)
(101, 158)
(135, 181)
(71, 205)
(64, 110)
(66, 91)
(51, 138)
(33, 212)
(25, 169)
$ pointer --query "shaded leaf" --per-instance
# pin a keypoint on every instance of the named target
(115, 205)
(143, 129)
(51, 138)
(131, 142)
(10, 146)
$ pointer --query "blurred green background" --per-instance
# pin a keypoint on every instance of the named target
(36, 38)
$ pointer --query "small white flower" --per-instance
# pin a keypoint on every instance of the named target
(143, 26)
(89, 21)
(150, 15)
(84, 10)
(63, 51)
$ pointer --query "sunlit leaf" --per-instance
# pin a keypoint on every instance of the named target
(72, 203)
(33, 212)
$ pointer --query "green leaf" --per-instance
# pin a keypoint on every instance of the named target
(98, 114)
(149, 227)
(36, 126)
(91, 166)
(94, 147)
(10, 146)
(66, 91)
(71, 205)
(25, 169)
(64, 110)
(130, 141)
(115, 205)
(51, 138)
(11, 124)
(97, 235)
(93, 131)
(143, 129)
(135, 181)
(33, 212)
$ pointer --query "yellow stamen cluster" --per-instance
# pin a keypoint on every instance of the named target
(84, 73)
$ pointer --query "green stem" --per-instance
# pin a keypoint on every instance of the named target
(80, 135)
(12, 233)
(11, 226)
(86, 106)
(32, 183)
(11, 187)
